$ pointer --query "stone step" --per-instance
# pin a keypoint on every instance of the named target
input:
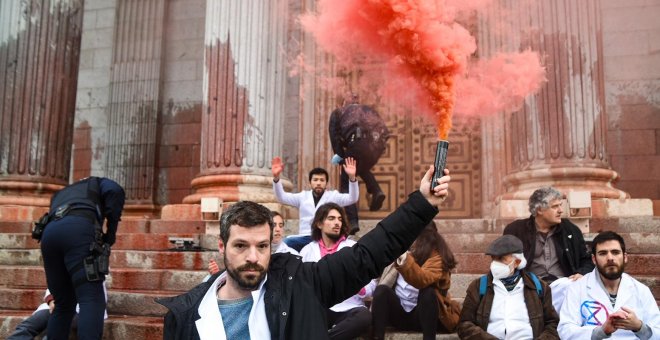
(20, 257)
(155, 279)
(198, 260)
(184, 260)
(151, 328)
(120, 278)
(638, 264)
(124, 241)
(640, 224)
(115, 327)
(15, 227)
(129, 302)
(18, 299)
(127, 226)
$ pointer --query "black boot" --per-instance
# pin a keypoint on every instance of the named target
(377, 200)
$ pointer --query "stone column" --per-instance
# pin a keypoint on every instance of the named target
(133, 101)
(39, 55)
(558, 138)
(244, 82)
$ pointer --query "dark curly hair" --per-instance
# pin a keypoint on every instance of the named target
(322, 213)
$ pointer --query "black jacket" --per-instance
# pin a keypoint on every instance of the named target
(298, 294)
(357, 127)
(574, 256)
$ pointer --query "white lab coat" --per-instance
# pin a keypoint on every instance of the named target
(304, 201)
(283, 248)
(587, 305)
(210, 325)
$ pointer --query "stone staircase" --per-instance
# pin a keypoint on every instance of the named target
(145, 267)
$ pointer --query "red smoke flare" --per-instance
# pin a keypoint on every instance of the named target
(424, 53)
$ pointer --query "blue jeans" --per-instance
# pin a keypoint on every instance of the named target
(297, 242)
(64, 245)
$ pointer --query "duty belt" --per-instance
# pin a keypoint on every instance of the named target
(65, 210)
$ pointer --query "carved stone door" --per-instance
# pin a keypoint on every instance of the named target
(412, 148)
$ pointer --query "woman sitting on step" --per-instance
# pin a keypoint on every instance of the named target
(412, 294)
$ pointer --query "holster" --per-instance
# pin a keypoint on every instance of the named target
(40, 226)
(98, 263)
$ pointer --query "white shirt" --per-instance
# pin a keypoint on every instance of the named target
(283, 248)
(210, 325)
(304, 201)
(587, 306)
(407, 294)
(509, 318)
(312, 253)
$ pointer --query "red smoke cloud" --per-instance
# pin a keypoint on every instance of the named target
(416, 54)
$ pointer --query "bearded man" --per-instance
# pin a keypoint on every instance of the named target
(607, 302)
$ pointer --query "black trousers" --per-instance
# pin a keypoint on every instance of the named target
(349, 324)
(387, 311)
(64, 245)
(365, 162)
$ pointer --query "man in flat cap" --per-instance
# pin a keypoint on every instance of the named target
(508, 302)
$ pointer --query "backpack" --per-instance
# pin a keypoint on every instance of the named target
(483, 284)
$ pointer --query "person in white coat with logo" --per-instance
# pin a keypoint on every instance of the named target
(608, 303)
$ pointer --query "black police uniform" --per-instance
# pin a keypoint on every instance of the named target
(358, 131)
(76, 216)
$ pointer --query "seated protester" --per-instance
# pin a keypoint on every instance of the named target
(553, 246)
(608, 302)
(509, 302)
(418, 298)
(276, 245)
(350, 318)
(37, 323)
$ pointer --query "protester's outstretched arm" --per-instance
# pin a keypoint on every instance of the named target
(278, 189)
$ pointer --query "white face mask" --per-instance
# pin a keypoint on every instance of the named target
(501, 270)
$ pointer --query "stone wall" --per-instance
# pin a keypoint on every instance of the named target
(631, 40)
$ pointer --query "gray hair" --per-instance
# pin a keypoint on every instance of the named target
(542, 197)
(245, 214)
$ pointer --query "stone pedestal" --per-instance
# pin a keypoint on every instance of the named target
(243, 103)
(39, 54)
(559, 137)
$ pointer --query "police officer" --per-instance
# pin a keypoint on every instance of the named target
(71, 246)
(358, 131)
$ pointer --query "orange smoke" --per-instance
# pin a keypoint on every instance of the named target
(421, 52)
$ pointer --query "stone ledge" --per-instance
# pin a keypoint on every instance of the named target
(151, 328)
